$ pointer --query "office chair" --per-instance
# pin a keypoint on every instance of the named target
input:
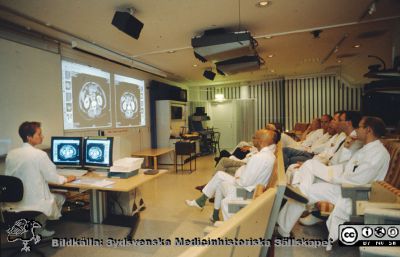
(11, 191)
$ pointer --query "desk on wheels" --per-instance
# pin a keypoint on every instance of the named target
(98, 208)
(152, 152)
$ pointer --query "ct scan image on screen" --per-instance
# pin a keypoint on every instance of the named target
(66, 151)
(86, 96)
(98, 152)
(129, 102)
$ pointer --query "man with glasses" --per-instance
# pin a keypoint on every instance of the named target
(368, 164)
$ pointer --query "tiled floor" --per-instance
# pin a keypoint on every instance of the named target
(166, 216)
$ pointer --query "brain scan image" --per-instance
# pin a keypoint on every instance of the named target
(95, 152)
(92, 100)
(68, 152)
(128, 105)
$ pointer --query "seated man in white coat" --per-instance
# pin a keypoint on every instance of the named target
(257, 171)
(310, 135)
(338, 151)
(36, 170)
(323, 183)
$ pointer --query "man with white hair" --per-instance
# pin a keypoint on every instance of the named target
(257, 171)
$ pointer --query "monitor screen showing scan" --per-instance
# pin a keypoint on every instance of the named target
(66, 151)
(98, 151)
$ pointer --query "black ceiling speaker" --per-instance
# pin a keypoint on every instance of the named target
(128, 24)
(209, 74)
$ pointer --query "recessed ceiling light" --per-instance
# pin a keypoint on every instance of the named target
(270, 55)
(357, 46)
(195, 65)
(263, 3)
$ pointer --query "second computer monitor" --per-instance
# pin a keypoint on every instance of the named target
(66, 151)
(98, 152)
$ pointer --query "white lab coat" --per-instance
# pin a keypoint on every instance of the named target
(258, 170)
(332, 149)
(333, 145)
(253, 150)
(311, 137)
(36, 170)
(320, 144)
(322, 183)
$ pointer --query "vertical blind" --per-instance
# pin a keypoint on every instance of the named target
(308, 98)
(229, 92)
(288, 101)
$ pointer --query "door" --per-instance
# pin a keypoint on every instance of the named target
(223, 120)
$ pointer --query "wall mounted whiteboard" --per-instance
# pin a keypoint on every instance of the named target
(30, 90)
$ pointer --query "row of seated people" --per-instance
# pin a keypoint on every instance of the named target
(345, 149)
(325, 139)
(353, 154)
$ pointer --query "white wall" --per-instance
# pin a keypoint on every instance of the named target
(30, 89)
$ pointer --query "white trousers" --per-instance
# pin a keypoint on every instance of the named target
(221, 185)
(316, 190)
(57, 206)
(229, 193)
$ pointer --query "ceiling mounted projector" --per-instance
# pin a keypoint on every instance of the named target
(240, 64)
(219, 45)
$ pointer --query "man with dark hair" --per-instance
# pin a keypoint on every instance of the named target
(376, 125)
(36, 170)
(368, 164)
(28, 129)
(336, 115)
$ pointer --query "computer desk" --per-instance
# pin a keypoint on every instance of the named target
(98, 195)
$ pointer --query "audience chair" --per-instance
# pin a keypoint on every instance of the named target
(11, 191)
(244, 197)
(381, 216)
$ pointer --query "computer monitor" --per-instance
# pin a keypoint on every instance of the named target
(98, 152)
(66, 151)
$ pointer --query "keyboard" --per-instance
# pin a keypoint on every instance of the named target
(73, 172)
